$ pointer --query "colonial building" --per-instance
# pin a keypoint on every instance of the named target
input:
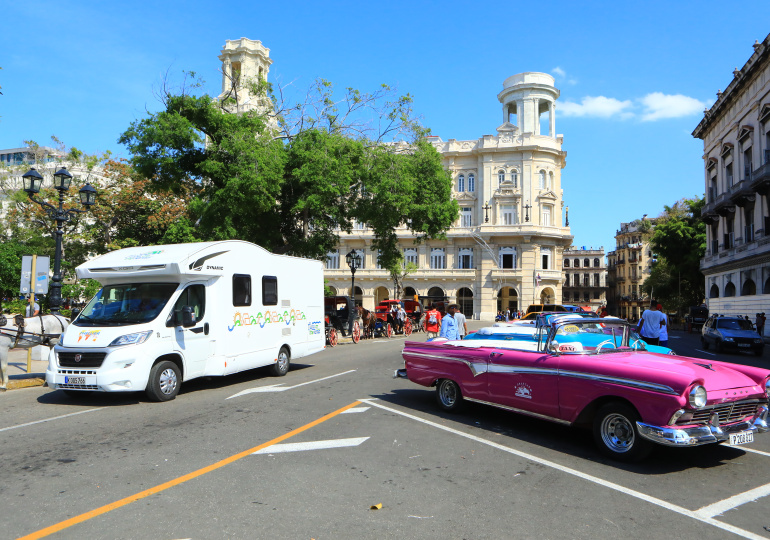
(505, 250)
(585, 277)
(628, 266)
(736, 156)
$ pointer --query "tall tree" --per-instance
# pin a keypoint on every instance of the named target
(679, 241)
(291, 182)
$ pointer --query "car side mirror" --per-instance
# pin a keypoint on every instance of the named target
(74, 313)
(553, 347)
(188, 317)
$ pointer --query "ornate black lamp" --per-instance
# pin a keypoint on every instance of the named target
(354, 263)
(486, 208)
(33, 181)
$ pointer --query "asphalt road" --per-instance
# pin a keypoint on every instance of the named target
(113, 466)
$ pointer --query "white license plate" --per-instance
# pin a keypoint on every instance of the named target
(742, 437)
(75, 380)
(746, 345)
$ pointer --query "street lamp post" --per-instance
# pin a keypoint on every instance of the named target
(486, 208)
(61, 182)
(527, 207)
(354, 263)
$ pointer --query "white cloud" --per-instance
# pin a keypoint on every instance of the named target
(659, 105)
(599, 106)
(559, 72)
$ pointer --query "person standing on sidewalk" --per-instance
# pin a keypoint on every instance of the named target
(663, 338)
(462, 327)
(650, 324)
(432, 321)
(760, 324)
(449, 325)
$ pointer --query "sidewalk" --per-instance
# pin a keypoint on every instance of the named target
(17, 370)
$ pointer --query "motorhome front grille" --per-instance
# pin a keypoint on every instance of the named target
(728, 412)
(81, 360)
(78, 386)
(76, 372)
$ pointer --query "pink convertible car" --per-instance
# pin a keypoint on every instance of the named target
(583, 372)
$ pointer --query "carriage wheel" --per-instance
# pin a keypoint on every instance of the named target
(407, 327)
(356, 332)
(333, 337)
(389, 331)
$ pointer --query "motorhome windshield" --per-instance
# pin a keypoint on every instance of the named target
(122, 305)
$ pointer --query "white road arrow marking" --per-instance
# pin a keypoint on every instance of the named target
(281, 388)
(356, 410)
(312, 445)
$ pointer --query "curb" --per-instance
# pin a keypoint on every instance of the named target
(14, 384)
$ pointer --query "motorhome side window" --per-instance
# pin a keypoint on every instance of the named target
(269, 290)
(193, 296)
(241, 290)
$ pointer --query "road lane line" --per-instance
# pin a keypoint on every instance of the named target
(180, 480)
(357, 410)
(50, 419)
(596, 480)
(311, 445)
(720, 507)
(753, 451)
(280, 388)
(706, 352)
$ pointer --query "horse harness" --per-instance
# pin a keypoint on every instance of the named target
(20, 322)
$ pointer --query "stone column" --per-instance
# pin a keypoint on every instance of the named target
(552, 119)
(536, 102)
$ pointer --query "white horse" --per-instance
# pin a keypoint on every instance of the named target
(42, 330)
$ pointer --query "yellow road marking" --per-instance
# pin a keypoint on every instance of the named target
(175, 482)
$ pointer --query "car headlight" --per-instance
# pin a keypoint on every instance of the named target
(698, 397)
(729, 339)
(131, 339)
(757, 341)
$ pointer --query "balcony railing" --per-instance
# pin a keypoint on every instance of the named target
(748, 233)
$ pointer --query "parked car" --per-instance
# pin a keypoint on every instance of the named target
(586, 374)
(731, 333)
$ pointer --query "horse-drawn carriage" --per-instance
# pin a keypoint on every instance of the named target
(337, 311)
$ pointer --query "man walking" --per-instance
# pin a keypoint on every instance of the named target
(650, 324)
(449, 325)
(462, 327)
(432, 321)
(760, 323)
(663, 338)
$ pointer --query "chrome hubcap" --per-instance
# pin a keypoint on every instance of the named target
(168, 381)
(617, 433)
(448, 394)
(283, 360)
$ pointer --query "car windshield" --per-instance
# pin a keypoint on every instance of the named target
(122, 305)
(592, 336)
(734, 324)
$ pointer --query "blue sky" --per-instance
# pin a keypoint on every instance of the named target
(634, 79)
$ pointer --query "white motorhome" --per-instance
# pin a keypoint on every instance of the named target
(167, 314)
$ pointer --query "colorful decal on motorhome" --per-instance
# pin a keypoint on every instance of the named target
(86, 334)
(267, 317)
(145, 255)
(314, 328)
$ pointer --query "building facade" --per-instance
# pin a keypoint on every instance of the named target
(628, 266)
(585, 277)
(736, 155)
(505, 250)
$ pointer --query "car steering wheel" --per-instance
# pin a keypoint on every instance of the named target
(605, 342)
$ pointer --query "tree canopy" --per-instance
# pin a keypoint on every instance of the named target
(291, 182)
(679, 240)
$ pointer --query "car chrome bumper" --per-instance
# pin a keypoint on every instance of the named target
(708, 434)
(400, 374)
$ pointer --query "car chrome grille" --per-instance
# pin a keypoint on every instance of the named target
(728, 412)
(87, 359)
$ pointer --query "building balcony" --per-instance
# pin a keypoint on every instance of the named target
(723, 205)
(741, 193)
(620, 279)
(760, 179)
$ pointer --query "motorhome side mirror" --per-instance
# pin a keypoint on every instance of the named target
(74, 313)
(188, 317)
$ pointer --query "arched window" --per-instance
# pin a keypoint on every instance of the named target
(541, 180)
(729, 289)
(577, 263)
(596, 263)
(766, 288)
(500, 177)
(714, 292)
(749, 288)
(550, 180)
(471, 183)
(515, 178)
(566, 263)
(586, 263)
(461, 183)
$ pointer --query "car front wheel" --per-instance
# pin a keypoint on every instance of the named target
(616, 434)
(448, 395)
(165, 379)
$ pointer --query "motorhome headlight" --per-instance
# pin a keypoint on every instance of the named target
(698, 397)
(131, 339)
